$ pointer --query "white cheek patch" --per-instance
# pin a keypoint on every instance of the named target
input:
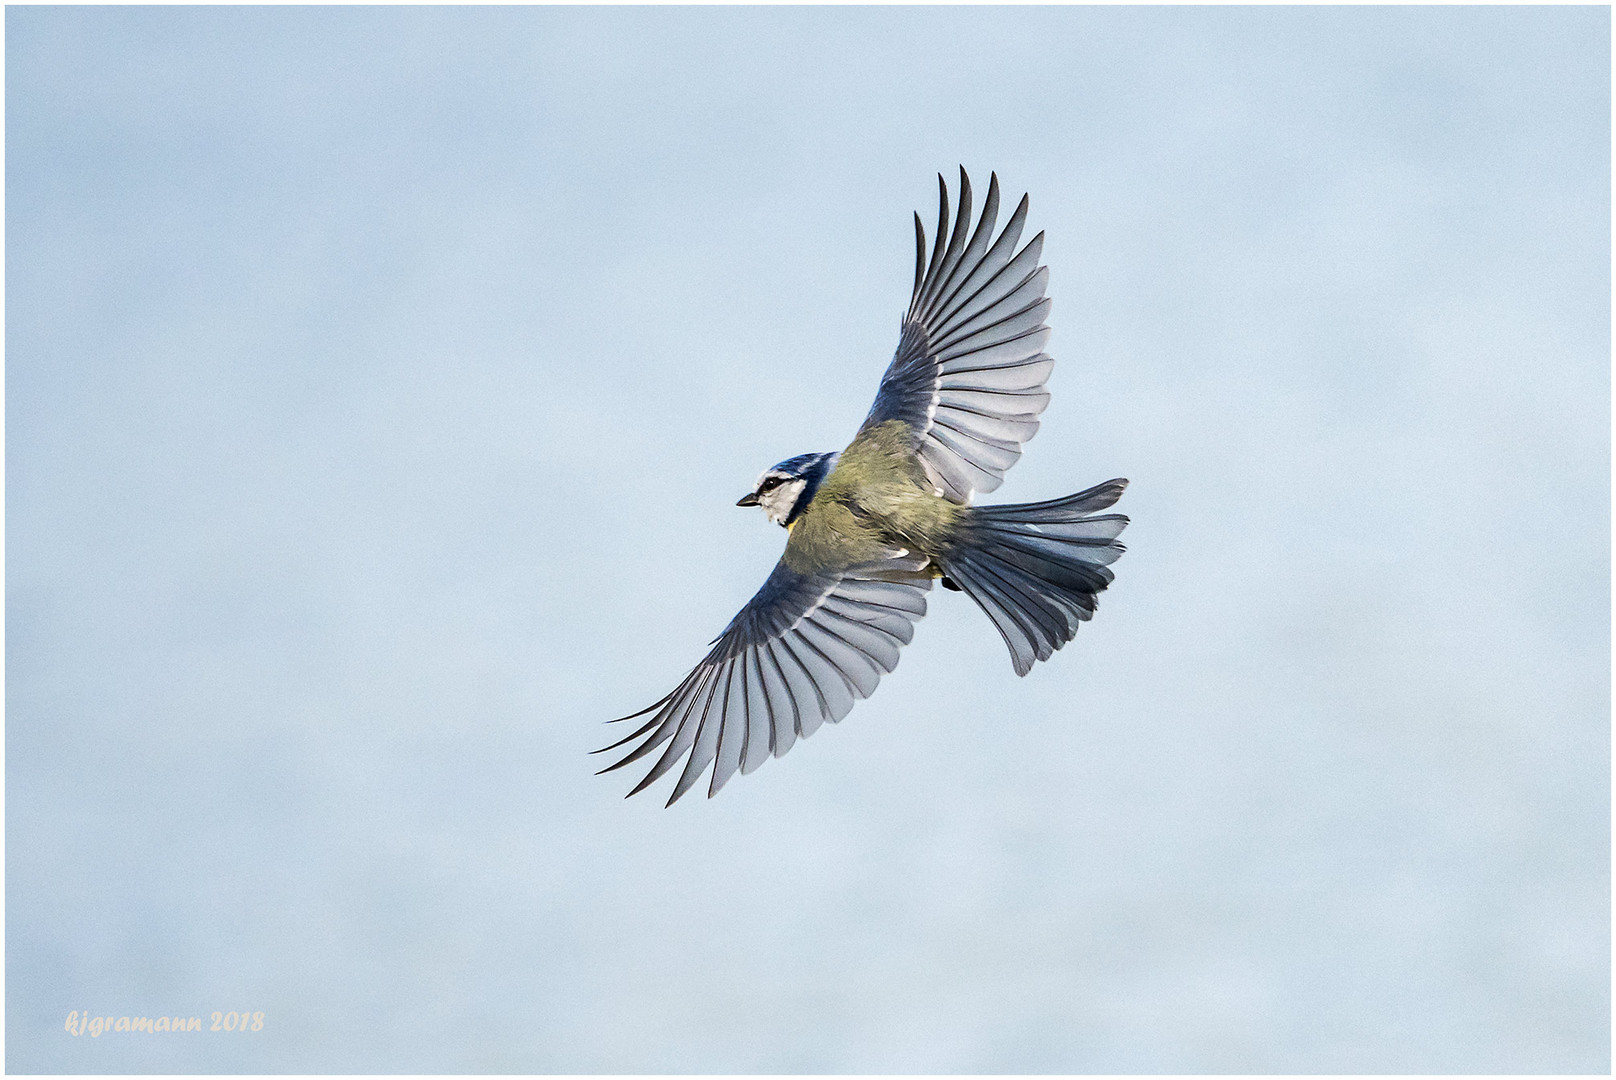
(779, 503)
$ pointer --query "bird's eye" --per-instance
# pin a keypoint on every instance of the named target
(769, 485)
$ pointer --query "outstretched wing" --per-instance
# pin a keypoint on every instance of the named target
(968, 376)
(799, 653)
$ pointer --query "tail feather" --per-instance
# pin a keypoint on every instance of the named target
(1035, 569)
(1066, 508)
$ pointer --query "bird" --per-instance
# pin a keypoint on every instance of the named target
(872, 526)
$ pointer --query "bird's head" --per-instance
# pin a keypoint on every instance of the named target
(785, 490)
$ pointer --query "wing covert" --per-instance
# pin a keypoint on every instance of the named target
(968, 376)
(800, 652)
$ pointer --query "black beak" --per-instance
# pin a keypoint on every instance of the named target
(749, 499)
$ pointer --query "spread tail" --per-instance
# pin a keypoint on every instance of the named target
(1036, 568)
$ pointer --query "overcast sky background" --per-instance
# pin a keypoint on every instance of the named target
(379, 383)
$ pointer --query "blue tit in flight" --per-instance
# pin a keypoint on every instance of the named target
(872, 526)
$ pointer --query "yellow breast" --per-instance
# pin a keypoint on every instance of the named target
(876, 498)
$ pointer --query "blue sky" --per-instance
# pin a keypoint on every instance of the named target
(379, 383)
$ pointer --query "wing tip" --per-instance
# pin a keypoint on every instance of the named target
(646, 781)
